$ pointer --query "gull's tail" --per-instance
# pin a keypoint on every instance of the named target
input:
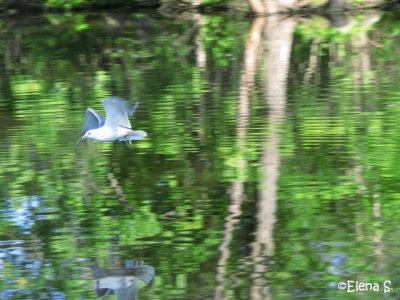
(134, 135)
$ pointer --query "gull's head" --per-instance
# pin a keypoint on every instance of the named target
(87, 135)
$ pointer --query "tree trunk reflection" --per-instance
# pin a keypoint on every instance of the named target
(237, 189)
(278, 41)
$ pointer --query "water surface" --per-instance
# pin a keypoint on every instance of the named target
(271, 170)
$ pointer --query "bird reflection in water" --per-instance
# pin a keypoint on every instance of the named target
(125, 283)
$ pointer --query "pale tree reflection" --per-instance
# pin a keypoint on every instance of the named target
(237, 189)
(201, 62)
(364, 77)
(278, 42)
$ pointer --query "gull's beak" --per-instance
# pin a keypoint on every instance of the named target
(80, 140)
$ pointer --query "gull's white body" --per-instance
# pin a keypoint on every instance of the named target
(110, 134)
(116, 126)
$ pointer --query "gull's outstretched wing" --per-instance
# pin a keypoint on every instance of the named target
(117, 111)
(93, 120)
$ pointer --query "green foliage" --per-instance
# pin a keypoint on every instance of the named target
(220, 40)
(73, 4)
(66, 4)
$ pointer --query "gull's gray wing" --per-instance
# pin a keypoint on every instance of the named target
(93, 120)
(117, 111)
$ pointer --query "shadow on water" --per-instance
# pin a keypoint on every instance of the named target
(124, 282)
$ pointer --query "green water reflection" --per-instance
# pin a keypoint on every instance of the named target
(270, 171)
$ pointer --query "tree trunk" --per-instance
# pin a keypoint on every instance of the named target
(336, 5)
(262, 7)
(258, 6)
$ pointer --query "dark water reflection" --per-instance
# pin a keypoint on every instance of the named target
(270, 170)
